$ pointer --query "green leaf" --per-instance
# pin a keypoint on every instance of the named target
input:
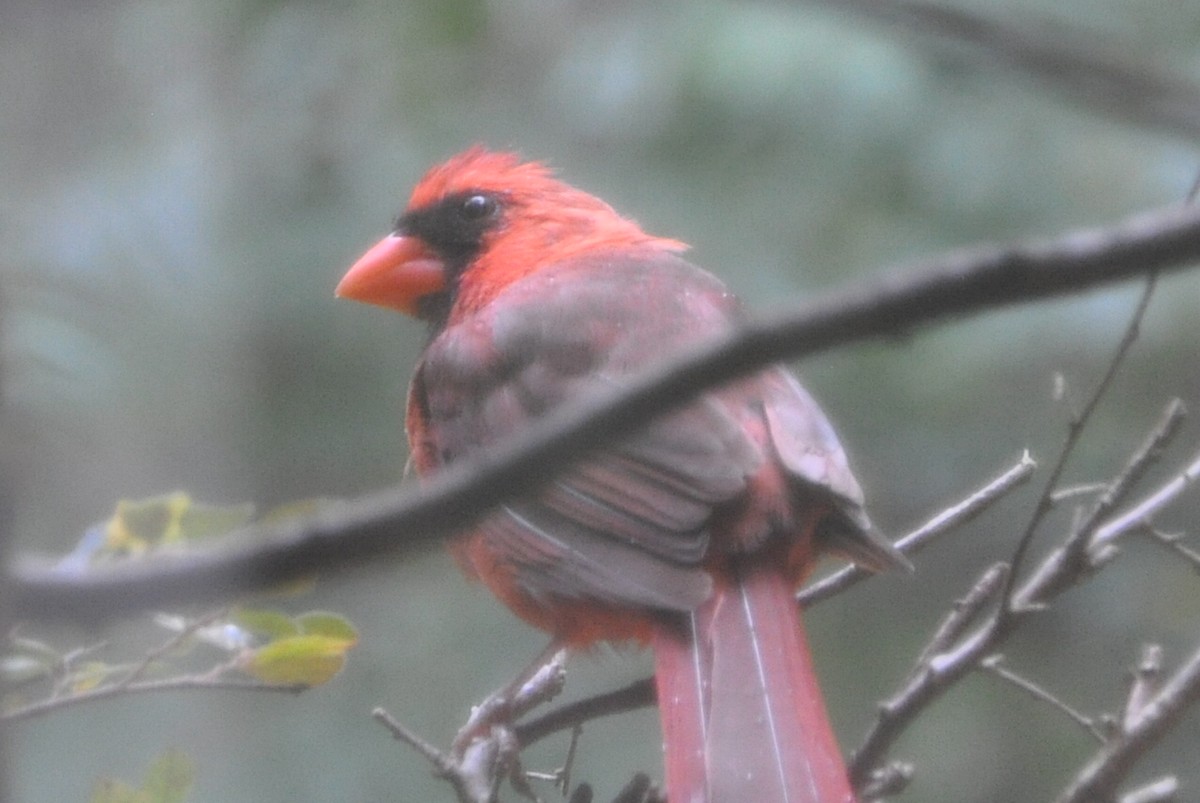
(199, 521)
(169, 519)
(324, 623)
(137, 524)
(90, 675)
(308, 660)
(271, 624)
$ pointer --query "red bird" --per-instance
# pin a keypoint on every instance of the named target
(691, 534)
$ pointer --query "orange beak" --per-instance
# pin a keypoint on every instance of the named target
(396, 273)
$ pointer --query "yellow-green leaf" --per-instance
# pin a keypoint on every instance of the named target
(324, 623)
(169, 519)
(309, 660)
(136, 524)
(272, 624)
(204, 521)
(89, 675)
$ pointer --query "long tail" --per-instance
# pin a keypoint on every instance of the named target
(743, 718)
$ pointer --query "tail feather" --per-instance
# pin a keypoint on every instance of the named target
(743, 718)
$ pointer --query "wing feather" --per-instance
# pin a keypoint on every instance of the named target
(630, 525)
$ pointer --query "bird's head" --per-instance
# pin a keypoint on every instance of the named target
(477, 223)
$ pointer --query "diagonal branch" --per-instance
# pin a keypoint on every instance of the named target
(949, 519)
(936, 290)
(1072, 551)
(1140, 514)
(201, 682)
(1154, 719)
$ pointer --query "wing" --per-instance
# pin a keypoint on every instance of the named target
(630, 525)
(806, 445)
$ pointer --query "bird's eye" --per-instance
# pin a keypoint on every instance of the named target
(478, 207)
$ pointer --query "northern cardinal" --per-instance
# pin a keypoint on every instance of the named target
(691, 534)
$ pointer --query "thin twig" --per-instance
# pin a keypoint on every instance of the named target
(886, 781)
(965, 612)
(1163, 790)
(993, 664)
(1075, 547)
(1144, 683)
(472, 774)
(1082, 552)
(926, 683)
(486, 750)
(1109, 766)
(1071, 491)
(1142, 512)
(1139, 462)
(401, 733)
(64, 668)
(1174, 543)
(185, 683)
(949, 519)
(638, 694)
(561, 777)
(142, 666)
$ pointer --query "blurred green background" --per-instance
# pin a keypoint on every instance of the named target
(184, 183)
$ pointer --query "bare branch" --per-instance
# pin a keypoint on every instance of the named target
(1081, 553)
(886, 781)
(1163, 790)
(190, 629)
(638, 694)
(1071, 555)
(1144, 683)
(1072, 491)
(993, 664)
(928, 681)
(1142, 512)
(1150, 451)
(937, 290)
(203, 681)
(965, 612)
(471, 775)
(944, 664)
(487, 748)
(1109, 766)
(1174, 543)
(952, 517)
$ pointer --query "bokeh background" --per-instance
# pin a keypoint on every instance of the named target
(184, 182)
